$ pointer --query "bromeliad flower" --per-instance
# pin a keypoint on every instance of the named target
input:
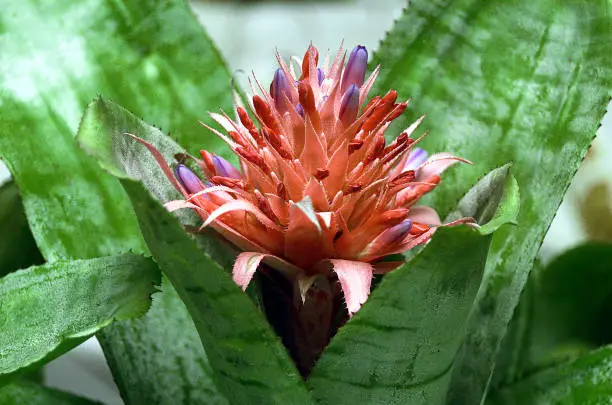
(320, 192)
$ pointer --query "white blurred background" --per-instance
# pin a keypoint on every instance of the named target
(247, 35)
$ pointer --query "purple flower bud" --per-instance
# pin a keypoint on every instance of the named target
(225, 168)
(188, 179)
(395, 234)
(416, 158)
(355, 70)
(320, 75)
(349, 107)
(278, 89)
(300, 109)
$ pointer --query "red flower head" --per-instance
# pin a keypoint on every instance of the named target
(319, 190)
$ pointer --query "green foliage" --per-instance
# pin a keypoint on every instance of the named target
(492, 202)
(574, 299)
(400, 347)
(499, 81)
(26, 392)
(17, 246)
(49, 309)
(156, 60)
(585, 380)
(563, 313)
(164, 340)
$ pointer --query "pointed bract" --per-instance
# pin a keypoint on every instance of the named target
(245, 267)
(355, 279)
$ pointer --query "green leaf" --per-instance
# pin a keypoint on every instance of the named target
(492, 202)
(585, 381)
(17, 247)
(249, 361)
(573, 296)
(526, 82)
(164, 340)
(103, 134)
(152, 57)
(563, 313)
(401, 346)
(49, 309)
(26, 392)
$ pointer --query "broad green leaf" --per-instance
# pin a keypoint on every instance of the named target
(49, 309)
(585, 381)
(249, 361)
(26, 392)
(401, 346)
(17, 247)
(152, 57)
(500, 81)
(563, 313)
(164, 340)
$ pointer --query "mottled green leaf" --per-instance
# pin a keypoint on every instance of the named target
(26, 392)
(49, 309)
(584, 381)
(164, 340)
(17, 247)
(103, 134)
(492, 202)
(248, 359)
(401, 346)
(152, 57)
(563, 313)
(525, 81)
